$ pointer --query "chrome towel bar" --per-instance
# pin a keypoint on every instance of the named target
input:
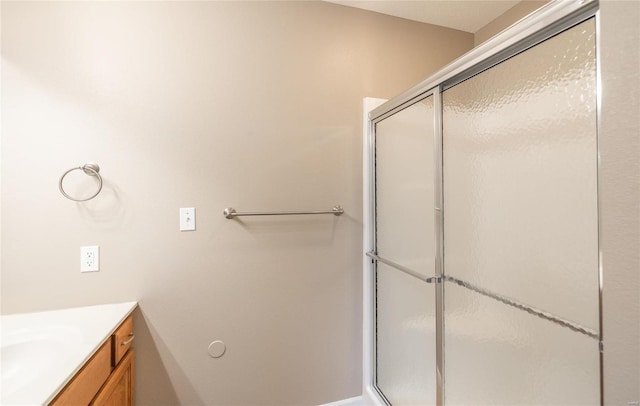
(230, 212)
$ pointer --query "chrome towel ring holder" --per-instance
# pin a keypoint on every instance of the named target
(90, 169)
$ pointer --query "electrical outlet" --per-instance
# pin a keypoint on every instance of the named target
(90, 258)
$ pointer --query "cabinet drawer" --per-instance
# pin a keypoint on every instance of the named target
(122, 340)
(86, 383)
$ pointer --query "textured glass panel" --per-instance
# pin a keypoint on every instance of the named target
(520, 166)
(498, 355)
(406, 348)
(404, 187)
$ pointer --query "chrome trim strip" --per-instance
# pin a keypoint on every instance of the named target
(372, 184)
(564, 23)
(403, 269)
(545, 22)
(381, 395)
(532, 310)
(374, 346)
(419, 97)
(374, 268)
(439, 240)
(599, 205)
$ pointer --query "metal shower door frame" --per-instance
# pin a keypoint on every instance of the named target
(543, 24)
(436, 279)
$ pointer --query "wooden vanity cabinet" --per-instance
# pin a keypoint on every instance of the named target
(118, 390)
(88, 381)
(107, 378)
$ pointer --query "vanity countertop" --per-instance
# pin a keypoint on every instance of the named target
(42, 351)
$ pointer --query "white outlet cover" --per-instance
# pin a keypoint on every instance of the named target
(90, 258)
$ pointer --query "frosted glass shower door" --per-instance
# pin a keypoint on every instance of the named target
(521, 229)
(405, 302)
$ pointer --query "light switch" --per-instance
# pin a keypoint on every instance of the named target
(187, 219)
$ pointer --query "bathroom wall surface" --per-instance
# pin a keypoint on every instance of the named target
(508, 18)
(255, 105)
(619, 179)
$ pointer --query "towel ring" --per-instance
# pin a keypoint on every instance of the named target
(90, 169)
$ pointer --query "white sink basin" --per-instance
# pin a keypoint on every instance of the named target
(28, 353)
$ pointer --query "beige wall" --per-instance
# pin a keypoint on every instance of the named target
(207, 104)
(620, 199)
(507, 19)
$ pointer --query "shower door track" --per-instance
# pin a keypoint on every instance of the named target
(541, 25)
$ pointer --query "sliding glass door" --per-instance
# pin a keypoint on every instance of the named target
(521, 228)
(405, 343)
(485, 249)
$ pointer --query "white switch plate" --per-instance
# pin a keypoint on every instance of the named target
(90, 258)
(187, 219)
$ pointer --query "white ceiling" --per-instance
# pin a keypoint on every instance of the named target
(465, 15)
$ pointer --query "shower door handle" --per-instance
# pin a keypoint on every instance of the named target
(432, 279)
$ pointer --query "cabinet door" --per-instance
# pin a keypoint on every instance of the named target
(118, 390)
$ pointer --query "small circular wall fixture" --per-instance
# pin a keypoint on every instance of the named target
(217, 349)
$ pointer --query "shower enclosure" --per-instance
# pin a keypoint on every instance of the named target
(482, 252)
